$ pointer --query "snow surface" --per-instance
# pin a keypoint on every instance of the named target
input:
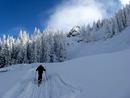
(117, 43)
(105, 75)
(98, 76)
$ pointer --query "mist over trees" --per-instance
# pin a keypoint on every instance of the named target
(107, 28)
(50, 46)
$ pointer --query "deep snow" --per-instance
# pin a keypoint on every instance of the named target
(102, 71)
(98, 76)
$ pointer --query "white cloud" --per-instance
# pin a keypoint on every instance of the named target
(124, 2)
(79, 12)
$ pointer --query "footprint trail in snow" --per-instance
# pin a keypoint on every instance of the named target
(52, 87)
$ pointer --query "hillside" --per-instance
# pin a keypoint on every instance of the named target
(99, 76)
(117, 43)
(79, 49)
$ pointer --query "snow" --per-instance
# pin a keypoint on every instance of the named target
(100, 76)
(97, 76)
(117, 43)
(53, 86)
(100, 70)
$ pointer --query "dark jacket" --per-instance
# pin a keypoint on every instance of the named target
(40, 69)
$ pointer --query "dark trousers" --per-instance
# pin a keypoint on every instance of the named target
(40, 76)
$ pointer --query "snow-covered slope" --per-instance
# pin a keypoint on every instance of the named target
(117, 43)
(98, 76)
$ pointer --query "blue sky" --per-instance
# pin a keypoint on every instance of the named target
(24, 14)
(59, 14)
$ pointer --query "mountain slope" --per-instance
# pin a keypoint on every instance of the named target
(117, 43)
(99, 76)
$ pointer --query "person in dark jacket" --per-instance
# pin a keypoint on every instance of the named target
(40, 70)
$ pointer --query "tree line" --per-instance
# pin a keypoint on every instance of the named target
(106, 28)
(46, 46)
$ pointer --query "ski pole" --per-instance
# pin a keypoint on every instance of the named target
(46, 73)
(35, 76)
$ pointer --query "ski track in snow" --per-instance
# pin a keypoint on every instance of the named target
(51, 87)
